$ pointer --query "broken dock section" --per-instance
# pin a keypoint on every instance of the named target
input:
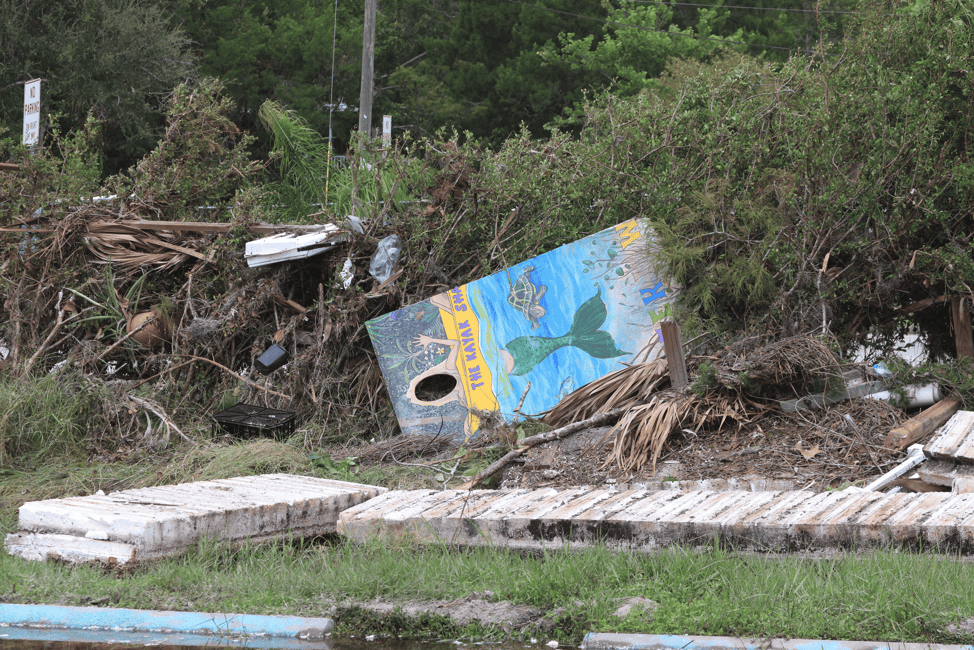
(153, 522)
(647, 520)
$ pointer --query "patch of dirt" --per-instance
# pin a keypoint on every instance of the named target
(482, 608)
(814, 450)
(477, 607)
(962, 628)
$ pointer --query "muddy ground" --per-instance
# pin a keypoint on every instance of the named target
(484, 608)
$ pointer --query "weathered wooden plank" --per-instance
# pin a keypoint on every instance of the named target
(922, 425)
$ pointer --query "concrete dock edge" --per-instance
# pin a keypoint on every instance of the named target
(610, 641)
(197, 624)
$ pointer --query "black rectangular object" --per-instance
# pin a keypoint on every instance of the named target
(247, 421)
(273, 358)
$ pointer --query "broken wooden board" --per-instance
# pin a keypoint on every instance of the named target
(954, 440)
(960, 311)
(540, 458)
(150, 522)
(557, 322)
(923, 424)
(945, 472)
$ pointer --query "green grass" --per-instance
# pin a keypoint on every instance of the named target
(882, 595)
(74, 474)
(879, 595)
(42, 416)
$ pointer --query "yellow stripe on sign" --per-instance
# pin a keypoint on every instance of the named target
(462, 325)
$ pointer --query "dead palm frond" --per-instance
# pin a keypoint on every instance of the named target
(130, 248)
(655, 411)
(631, 386)
(641, 433)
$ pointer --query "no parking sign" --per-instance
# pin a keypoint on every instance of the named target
(32, 112)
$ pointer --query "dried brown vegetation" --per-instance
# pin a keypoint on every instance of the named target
(734, 388)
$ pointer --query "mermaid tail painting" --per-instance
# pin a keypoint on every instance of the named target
(525, 352)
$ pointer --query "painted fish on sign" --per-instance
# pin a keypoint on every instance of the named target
(559, 321)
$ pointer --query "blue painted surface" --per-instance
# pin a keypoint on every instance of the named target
(532, 323)
(136, 620)
(157, 638)
(836, 645)
(609, 641)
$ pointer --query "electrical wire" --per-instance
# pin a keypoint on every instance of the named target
(801, 11)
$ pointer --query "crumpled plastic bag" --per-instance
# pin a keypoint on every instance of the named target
(346, 273)
(386, 258)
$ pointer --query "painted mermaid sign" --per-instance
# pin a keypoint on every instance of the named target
(557, 321)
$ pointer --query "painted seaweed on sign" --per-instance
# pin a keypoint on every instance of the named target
(557, 321)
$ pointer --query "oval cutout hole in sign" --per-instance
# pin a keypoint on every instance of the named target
(435, 387)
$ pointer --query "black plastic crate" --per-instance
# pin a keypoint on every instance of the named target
(247, 421)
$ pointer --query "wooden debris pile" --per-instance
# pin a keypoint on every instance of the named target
(730, 390)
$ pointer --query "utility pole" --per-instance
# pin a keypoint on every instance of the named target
(368, 62)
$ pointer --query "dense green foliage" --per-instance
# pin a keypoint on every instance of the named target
(775, 29)
(482, 67)
(828, 192)
(113, 59)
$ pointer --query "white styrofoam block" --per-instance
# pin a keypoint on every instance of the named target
(285, 246)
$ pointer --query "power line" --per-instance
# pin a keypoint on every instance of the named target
(660, 31)
(801, 11)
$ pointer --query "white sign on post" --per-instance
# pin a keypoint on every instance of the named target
(386, 130)
(32, 112)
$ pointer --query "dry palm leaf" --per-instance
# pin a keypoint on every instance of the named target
(130, 248)
(628, 387)
(644, 430)
(641, 433)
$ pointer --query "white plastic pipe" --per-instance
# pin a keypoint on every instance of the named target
(915, 395)
(914, 458)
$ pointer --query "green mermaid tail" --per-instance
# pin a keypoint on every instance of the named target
(529, 351)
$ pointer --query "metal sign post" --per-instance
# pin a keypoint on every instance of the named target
(386, 131)
(32, 112)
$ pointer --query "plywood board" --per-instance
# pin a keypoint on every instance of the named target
(557, 321)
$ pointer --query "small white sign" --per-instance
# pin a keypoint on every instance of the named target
(32, 112)
(386, 130)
